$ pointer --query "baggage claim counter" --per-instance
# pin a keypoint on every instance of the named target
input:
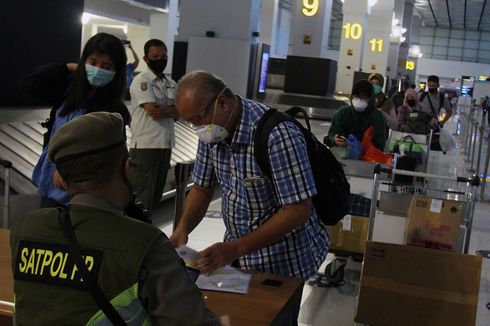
(268, 301)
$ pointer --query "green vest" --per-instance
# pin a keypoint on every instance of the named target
(47, 284)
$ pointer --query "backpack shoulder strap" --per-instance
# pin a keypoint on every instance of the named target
(267, 122)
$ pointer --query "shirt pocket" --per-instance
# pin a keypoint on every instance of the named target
(259, 193)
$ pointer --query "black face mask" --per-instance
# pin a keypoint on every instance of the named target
(157, 66)
(432, 90)
(411, 102)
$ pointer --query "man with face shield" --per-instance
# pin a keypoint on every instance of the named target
(357, 117)
(132, 263)
(152, 126)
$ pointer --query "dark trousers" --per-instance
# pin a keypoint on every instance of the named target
(150, 167)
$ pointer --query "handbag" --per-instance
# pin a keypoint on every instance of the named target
(410, 148)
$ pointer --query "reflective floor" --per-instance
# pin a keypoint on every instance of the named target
(336, 306)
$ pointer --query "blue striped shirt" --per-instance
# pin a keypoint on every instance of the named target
(250, 198)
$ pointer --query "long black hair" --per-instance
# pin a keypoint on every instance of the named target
(81, 94)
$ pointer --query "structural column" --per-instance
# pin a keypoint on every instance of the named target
(163, 26)
(268, 22)
(351, 43)
(220, 37)
(310, 28)
(377, 39)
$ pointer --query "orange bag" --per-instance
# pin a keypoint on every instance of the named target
(371, 153)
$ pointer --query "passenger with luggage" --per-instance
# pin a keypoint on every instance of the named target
(357, 117)
(97, 83)
(436, 101)
(271, 225)
(153, 132)
(414, 117)
(126, 261)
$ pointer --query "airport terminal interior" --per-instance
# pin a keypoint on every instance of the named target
(308, 54)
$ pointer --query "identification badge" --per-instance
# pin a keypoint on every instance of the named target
(144, 86)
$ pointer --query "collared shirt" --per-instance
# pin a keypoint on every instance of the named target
(42, 176)
(250, 199)
(147, 132)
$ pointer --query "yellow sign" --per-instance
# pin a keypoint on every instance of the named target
(306, 39)
(310, 7)
(410, 65)
(376, 45)
(352, 31)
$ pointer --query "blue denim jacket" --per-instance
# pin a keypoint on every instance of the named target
(42, 176)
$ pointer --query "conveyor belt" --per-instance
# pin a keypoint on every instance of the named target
(317, 107)
(21, 143)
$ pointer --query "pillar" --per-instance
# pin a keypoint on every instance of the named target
(310, 28)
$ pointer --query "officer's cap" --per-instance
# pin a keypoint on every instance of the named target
(87, 135)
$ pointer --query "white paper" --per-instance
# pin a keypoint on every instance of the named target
(224, 279)
(436, 206)
(347, 223)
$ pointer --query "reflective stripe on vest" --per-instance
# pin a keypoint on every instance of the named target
(129, 306)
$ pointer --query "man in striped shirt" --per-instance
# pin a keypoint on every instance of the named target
(271, 225)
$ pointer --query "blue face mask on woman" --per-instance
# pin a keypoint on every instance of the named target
(98, 77)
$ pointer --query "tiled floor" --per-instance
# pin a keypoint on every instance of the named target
(336, 306)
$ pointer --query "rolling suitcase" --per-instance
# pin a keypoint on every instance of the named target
(7, 165)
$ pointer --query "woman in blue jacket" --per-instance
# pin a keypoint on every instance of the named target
(98, 84)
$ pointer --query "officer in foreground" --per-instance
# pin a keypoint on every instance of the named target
(131, 263)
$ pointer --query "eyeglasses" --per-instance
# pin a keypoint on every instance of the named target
(195, 120)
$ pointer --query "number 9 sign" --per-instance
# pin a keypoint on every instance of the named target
(310, 7)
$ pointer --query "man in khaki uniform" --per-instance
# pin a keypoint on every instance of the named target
(152, 125)
(133, 263)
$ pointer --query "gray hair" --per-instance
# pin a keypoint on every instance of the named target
(205, 84)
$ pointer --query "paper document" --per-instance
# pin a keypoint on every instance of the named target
(225, 279)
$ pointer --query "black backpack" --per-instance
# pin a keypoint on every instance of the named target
(333, 189)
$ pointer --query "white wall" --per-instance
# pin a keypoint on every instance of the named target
(138, 35)
(451, 69)
(118, 10)
(230, 19)
(228, 59)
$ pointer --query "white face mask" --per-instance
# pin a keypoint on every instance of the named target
(211, 134)
(358, 104)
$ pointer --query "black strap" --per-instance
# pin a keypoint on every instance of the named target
(95, 291)
(267, 122)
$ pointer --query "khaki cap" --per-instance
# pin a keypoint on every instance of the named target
(89, 134)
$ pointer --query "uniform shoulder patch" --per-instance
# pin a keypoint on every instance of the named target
(52, 264)
(143, 86)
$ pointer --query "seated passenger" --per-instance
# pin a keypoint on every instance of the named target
(132, 263)
(357, 118)
(414, 117)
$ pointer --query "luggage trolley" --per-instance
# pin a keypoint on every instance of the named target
(348, 237)
(467, 196)
(395, 272)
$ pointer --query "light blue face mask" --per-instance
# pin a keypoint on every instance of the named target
(377, 89)
(98, 77)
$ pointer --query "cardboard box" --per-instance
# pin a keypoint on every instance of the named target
(433, 223)
(405, 285)
(349, 235)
